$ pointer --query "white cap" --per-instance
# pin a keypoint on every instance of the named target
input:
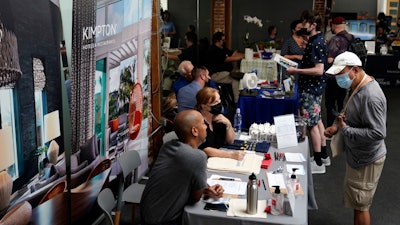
(343, 60)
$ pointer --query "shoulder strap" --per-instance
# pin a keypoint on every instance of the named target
(352, 94)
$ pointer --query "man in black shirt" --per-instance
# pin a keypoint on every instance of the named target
(219, 62)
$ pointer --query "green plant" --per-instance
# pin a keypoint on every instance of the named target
(40, 150)
(267, 44)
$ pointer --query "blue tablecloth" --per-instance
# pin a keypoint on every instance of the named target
(262, 110)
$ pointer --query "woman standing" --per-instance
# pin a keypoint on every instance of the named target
(293, 47)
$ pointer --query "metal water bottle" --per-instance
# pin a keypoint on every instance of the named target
(252, 194)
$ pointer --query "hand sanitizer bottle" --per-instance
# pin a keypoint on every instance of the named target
(277, 202)
(294, 181)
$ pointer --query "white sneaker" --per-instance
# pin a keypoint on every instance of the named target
(326, 162)
(315, 169)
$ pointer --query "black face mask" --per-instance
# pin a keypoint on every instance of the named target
(303, 31)
(216, 109)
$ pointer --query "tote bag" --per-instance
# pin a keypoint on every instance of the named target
(337, 143)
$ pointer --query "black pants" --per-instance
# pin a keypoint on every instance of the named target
(334, 98)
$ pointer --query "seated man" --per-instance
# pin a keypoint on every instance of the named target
(219, 61)
(185, 70)
(189, 53)
(178, 176)
(187, 95)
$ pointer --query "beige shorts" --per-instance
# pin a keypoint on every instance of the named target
(360, 185)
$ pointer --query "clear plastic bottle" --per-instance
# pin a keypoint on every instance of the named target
(237, 121)
(252, 195)
(294, 182)
(277, 202)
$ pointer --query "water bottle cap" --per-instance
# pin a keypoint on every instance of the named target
(252, 177)
(238, 110)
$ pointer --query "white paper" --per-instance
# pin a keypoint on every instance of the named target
(285, 131)
(286, 84)
(234, 187)
(284, 61)
(237, 207)
(294, 157)
(217, 201)
(370, 46)
(251, 163)
(244, 137)
(276, 179)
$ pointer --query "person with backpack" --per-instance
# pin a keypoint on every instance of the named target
(334, 95)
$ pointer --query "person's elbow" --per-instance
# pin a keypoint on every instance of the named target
(196, 195)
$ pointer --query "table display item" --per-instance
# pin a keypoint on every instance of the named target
(263, 132)
(294, 181)
(277, 202)
(261, 146)
(237, 122)
(218, 207)
(252, 194)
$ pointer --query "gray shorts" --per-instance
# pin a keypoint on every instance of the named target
(360, 185)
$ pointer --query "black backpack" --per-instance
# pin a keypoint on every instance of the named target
(356, 45)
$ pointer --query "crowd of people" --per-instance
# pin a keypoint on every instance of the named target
(326, 69)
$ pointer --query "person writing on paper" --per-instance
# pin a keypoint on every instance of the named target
(178, 176)
(363, 126)
(219, 128)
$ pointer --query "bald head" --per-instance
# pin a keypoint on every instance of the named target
(184, 123)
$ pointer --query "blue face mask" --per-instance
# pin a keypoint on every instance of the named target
(343, 80)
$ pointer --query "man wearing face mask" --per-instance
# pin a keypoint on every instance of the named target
(334, 95)
(363, 126)
(187, 95)
(312, 81)
(219, 128)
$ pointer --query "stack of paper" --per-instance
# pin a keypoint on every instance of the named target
(251, 163)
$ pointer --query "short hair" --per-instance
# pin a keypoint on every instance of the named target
(217, 36)
(192, 37)
(192, 28)
(205, 96)
(271, 28)
(311, 17)
(294, 23)
(196, 72)
(184, 121)
(182, 68)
